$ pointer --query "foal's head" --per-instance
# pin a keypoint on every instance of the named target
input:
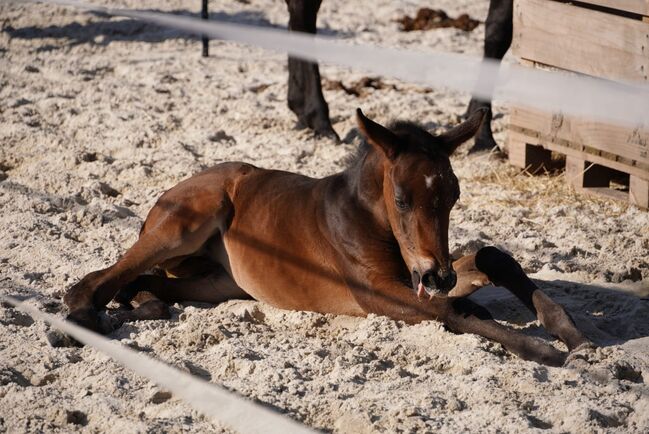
(419, 190)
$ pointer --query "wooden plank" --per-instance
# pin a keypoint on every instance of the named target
(581, 40)
(530, 157)
(620, 144)
(639, 191)
(516, 150)
(640, 7)
(587, 173)
(534, 139)
(592, 179)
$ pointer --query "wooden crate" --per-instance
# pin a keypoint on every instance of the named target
(610, 41)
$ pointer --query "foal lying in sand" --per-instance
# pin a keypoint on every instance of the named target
(371, 239)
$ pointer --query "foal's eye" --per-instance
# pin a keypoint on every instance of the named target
(401, 204)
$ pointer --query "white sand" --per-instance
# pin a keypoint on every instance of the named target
(99, 116)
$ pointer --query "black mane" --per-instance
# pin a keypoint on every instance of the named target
(414, 138)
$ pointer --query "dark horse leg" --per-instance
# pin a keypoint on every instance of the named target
(492, 265)
(468, 317)
(204, 39)
(503, 270)
(305, 97)
(498, 38)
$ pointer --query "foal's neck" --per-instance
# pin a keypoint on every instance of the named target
(364, 182)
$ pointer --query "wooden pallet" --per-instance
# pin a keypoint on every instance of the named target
(611, 42)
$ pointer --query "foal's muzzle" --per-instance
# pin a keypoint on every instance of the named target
(434, 282)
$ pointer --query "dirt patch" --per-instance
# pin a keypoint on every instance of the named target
(428, 19)
(359, 88)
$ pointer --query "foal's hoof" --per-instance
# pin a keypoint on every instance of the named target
(58, 339)
(580, 356)
(87, 318)
(550, 356)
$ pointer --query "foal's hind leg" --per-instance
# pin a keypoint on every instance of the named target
(178, 226)
(95, 290)
(150, 294)
(146, 306)
(213, 287)
(503, 270)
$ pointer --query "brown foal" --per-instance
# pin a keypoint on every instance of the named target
(371, 239)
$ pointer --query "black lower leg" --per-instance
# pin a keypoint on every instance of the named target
(466, 307)
(205, 40)
(214, 287)
(498, 38)
(305, 96)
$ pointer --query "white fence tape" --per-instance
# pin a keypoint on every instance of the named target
(211, 400)
(620, 103)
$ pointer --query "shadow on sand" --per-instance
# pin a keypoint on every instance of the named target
(607, 316)
(118, 29)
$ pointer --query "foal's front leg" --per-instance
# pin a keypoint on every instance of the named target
(461, 315)
(469, 278)
(464, 318)
(503, 270)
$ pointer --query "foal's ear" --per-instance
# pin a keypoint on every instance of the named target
(378, 136)
(463, 132)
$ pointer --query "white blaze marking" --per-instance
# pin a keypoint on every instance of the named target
(429, 181)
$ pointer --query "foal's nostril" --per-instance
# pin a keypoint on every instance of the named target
(428, 280)
(446, 280)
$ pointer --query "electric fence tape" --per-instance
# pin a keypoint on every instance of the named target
(209, 399)
(621, 103)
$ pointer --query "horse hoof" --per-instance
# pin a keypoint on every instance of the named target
(580, 355)
(85, 317)
(58, 339)
(483, 143)
(328, 132)
(555, 360)
(108, 323)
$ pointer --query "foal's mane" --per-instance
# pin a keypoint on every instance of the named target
(414, 137)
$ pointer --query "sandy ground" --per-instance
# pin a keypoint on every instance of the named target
(98, 116)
